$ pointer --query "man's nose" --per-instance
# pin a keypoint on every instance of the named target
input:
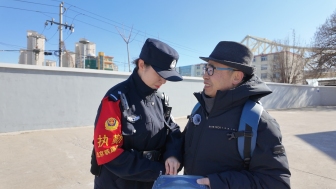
(205, 75)
(163, 81)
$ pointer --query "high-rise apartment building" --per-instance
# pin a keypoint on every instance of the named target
(90, 62)
(83, 49)
(68, 59)
(23, 57)
(34, 55)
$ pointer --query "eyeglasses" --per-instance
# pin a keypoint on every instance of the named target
(210, 69)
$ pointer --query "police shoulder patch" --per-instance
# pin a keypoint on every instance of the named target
(108, 138)
(113, 93)
(111, 124)
(113, 97)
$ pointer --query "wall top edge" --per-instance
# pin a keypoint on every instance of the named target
(296, 85)
(62, 69)
(192, 78)
(66, 69)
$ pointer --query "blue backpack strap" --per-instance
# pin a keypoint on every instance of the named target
(248, 124)
(195, 108)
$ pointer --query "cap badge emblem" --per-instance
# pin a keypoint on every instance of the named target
(173, 64)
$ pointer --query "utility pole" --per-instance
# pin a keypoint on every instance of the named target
(60, 35)
(66, 26)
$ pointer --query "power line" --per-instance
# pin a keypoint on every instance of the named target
(96, 26)
(6, 44)
(95, 14)
(27, 10)
(80, 13)
(55, 52)
(118, 34)
(51, 38)
(36, 3)
(67, 37)
(186, 48)
(27, 50)
(144, 35)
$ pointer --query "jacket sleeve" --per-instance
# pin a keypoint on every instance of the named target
(173, 142)
(268, 167)
(108, 141)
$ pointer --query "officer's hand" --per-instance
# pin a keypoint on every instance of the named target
(172, 164)
(203, 181)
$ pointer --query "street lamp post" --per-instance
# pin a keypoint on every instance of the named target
(84, 42)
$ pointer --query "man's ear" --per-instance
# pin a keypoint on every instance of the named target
(237, 77)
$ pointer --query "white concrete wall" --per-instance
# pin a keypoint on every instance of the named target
(35, 97)
(327, 95)
(291, 96)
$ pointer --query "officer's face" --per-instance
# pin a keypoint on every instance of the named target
(220, 80)
(149, 76)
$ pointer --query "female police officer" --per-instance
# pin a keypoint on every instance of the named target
(134, 138)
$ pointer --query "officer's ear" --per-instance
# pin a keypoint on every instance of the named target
(141, 65)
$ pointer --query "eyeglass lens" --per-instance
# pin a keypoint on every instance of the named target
(209, 70)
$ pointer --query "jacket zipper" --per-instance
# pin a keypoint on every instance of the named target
(200, 136)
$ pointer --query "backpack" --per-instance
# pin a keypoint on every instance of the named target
(247, 131)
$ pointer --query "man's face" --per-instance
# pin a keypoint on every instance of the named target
(220, 80)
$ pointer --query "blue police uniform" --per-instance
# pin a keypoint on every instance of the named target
(133, 137)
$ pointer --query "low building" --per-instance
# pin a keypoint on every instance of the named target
(50, 63)
(280, 67)
(195, 70)
(105, 62)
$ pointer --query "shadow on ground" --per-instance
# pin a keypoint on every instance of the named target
(322, 141)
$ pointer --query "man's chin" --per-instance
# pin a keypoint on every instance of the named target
(206, 92)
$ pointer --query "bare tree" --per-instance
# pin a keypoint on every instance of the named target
(288, 66)
(68, 62)
(127, 41)
(324, 45)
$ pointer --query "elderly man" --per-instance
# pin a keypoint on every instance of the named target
(211, 147)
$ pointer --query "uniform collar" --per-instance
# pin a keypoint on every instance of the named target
(142, 89)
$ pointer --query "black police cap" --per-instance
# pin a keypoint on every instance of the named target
(162, 58)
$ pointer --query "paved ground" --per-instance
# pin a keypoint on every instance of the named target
(60, 159)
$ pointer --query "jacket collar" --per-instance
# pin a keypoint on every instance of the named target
(140, 87)
(253, 89)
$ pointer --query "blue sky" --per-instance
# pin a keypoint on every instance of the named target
(192, 27)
